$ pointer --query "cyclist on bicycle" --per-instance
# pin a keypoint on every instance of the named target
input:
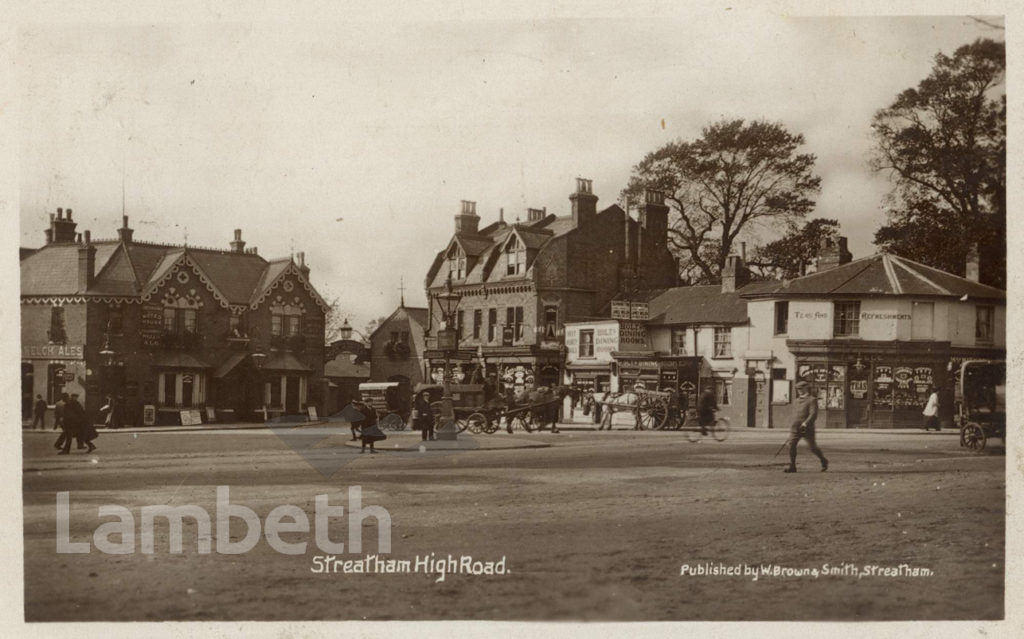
(706, 409)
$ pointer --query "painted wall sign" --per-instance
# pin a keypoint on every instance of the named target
(53, 351)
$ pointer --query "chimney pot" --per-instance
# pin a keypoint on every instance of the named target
(60, 213)
(88, 238)
(467, 221)
(584, 204)
(69, 215)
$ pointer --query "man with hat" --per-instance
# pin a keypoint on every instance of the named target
(803, 426)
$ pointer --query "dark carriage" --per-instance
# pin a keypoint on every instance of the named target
(980, 396)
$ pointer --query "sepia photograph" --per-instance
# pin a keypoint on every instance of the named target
(557, 317)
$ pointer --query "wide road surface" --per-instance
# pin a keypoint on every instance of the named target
(598, 526)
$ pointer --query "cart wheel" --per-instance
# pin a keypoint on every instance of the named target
(436, 408)
(692, 432)
(477, 423)
(462, 423)
(491, 424)
(392, 421)
(720, 429)
(651, 414)
(973, 437)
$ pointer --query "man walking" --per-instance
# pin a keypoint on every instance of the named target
(803, 426)
(931, 410)
(59, 421)
(39, 413)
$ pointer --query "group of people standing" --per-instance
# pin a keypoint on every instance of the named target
(70, 416)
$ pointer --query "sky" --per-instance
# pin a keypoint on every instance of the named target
(353, 137)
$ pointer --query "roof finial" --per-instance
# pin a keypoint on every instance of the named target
(401, 287)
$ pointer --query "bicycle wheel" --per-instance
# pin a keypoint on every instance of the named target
(477, 423)
(720, 429)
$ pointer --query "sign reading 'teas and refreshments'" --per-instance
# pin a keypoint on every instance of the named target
(53, 351)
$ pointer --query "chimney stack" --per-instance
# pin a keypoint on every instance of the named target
(973, 270)
(125, 233)
(61, 229)
(467, 220)
(534, 215)
(584, 204)
(301, 261)
(735, 275)
(86, 263)
(238, 245)
(833, 254)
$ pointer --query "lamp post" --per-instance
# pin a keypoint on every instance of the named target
(447, 339)
(259, 359)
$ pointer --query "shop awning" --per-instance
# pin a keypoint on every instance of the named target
(285, 362)
(229, 365)
(177, 359)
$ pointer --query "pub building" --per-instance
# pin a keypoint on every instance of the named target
(519, 283)
(870, 335)
(682, 339)
(176, 333)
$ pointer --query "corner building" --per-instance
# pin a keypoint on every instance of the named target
(521, 282)
(169, 328)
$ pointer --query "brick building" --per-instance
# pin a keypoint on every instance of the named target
(521, 282)
(870, 335)
(397, 346)
(167, 327)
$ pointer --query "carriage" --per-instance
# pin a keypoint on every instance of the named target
(980, 396)
(479, 415)
(387, 399)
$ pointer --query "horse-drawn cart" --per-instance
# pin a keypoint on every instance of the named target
(980, 395)
(529, 411)
(650, 409)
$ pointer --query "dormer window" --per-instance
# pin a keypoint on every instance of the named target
(515, 257)
(457, 263)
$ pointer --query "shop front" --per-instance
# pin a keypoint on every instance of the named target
(518, 368)
(871, 385)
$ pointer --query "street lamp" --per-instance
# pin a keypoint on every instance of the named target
(447, 339)
(259, 360)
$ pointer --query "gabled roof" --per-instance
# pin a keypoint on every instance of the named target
(486, 245)
(702, 304)
(415, 314)
(882, 274)
(133, 270)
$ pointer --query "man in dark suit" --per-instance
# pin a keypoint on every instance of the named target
(803, 426)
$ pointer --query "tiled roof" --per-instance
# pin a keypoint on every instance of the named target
(485, 246)
(268, 276)
(131, 269)
(881, 274)
(52, 270)
(235, 274)
(701, 305)
(344, 365)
